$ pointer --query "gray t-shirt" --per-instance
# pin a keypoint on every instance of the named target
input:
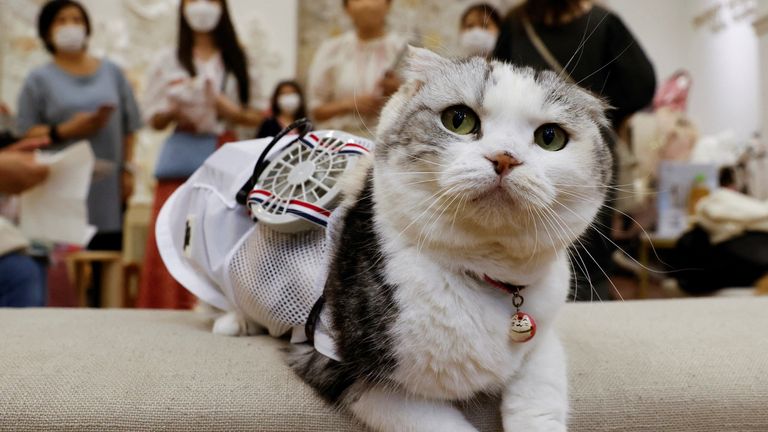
(51, 96)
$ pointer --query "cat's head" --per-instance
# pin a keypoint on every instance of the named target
(471, 151)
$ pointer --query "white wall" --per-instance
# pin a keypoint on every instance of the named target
(277, 23)
(662, 28)
(725, 65)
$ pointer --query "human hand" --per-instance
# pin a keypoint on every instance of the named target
(84, 124)
(183, 122)
(226, 108)
(20, 171)
(127, 180)
(368, 105)
(389, 84)
(28, 144)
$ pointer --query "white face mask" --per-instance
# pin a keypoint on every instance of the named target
(69, 38)
(202, 15)
(477, 41)
(289, 103)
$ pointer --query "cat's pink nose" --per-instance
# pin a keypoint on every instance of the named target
(503, 162)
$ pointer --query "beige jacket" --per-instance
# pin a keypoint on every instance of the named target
(725, 214)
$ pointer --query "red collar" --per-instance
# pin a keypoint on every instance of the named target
(506, 287)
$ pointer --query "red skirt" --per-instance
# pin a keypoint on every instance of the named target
(157, 288)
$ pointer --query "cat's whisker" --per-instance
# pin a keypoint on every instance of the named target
(441, 208)
(593, 259)
(544, 225)
(536, 233)
(580, 263)
(416, 219)
(459, 207)
(413, 172)
(645, 233)
(580, 47)
(417, 158)
(618, 188)
(420, 182)
(607, 64)
(546, 219)
(564, 225)
(447, 206)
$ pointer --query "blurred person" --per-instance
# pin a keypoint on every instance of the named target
(479, 30)
(588, 45)
(80, 97)
(352, 74)
(203, 89)
(22, 279)
(287, 106)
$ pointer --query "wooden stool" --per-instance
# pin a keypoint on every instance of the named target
(81, 274)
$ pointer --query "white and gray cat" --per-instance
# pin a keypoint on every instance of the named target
(481, 170)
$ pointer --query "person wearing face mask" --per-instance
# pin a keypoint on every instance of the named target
(287, 106)
(480, 25)
(352, 75)
(202, 89)
(75, 97)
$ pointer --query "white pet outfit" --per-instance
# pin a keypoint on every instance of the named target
(212, 246)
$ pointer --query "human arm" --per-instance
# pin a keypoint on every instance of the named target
(236, 113)
(632, 81)
(19, 169)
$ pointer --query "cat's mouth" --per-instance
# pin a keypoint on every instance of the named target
(496, 193)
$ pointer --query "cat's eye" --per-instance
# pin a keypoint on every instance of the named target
(550, 137)
(460, 120)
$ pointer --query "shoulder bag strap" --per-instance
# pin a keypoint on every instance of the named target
(543, 50)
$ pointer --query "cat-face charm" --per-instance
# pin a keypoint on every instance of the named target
(523, 327)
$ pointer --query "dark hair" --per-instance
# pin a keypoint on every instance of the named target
(301, 112)
(48, 15)
(546, 11)
(727, 176)
(486, 10)
(225, 38)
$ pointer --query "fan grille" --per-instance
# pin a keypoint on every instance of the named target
(303, 172)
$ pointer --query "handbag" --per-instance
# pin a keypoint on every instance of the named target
(183, 153)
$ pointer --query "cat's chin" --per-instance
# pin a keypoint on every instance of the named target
(496, 197)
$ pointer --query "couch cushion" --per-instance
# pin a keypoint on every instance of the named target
(672, 365)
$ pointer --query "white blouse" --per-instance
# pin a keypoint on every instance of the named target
(165, 83)
(344, 67)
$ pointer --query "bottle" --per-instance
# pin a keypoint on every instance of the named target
(699, 190)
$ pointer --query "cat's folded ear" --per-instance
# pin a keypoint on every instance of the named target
(420, 62)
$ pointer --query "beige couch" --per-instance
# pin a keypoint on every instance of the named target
(672, 365)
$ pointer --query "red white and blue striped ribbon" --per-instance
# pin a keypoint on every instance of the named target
(353, 148)
(303, 209)
(310, 140)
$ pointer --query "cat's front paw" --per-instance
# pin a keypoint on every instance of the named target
(234, 324)
(534, 422)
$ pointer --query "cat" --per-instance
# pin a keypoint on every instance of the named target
(482, 171)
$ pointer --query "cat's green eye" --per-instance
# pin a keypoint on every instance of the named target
(550, 137)
(460, 120)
